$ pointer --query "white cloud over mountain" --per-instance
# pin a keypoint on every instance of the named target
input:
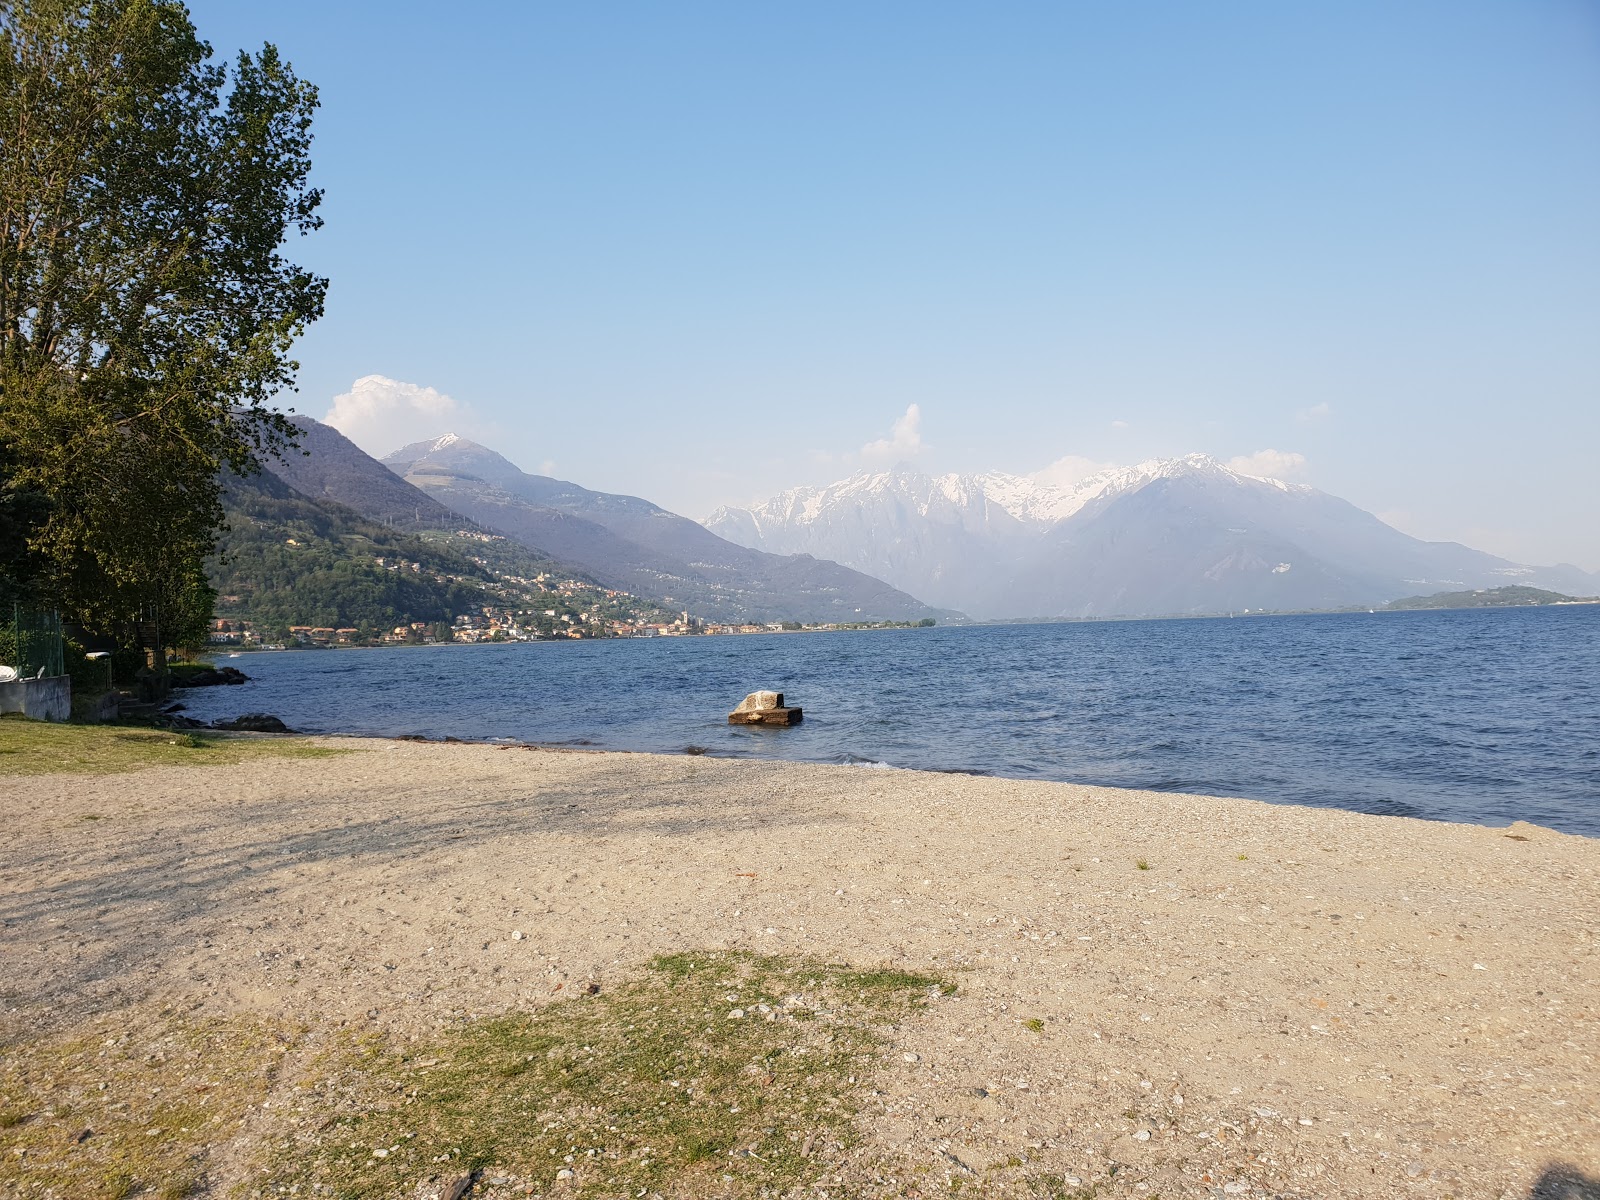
(1269, 464)
(380, 414)
(1071, 470)
(903, 443)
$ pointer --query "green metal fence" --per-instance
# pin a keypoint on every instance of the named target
(36, 643)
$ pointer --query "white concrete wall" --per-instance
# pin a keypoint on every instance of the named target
(48, 699)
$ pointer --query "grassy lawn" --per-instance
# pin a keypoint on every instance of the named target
(42, 747)
(654, 1086)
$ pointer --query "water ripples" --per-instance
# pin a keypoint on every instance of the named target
(1477, 715)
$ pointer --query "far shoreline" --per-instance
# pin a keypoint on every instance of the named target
(227, 648)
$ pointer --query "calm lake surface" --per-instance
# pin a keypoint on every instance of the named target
(1487, 715)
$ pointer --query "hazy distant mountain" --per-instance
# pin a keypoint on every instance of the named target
(1170, 536)
(1511, 596)
(631, 544)
(932, 537)
(329, 466)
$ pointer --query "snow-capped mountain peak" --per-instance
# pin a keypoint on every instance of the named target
(1188, 534)
(1029, 500)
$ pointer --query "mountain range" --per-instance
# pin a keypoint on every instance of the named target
(639, 547)
(620, 542)
(1165, 537)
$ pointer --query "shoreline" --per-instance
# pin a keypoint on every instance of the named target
(1412, 1000)
(587, 746)
(227, 648)
(1278, 717)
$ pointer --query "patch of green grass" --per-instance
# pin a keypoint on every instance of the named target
(654, 1085)
(187, 669)
(132, 1109)
(1244, 858)
(1035, 1024)
(44, 748)
(1142, 865)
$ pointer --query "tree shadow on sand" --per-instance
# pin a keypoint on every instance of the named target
(152, 897)
(1561, 1181)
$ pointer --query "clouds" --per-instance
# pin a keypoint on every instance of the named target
(1070, 471)
(904, 440)
(380, 414)
(1317, 412)
(1269, 464)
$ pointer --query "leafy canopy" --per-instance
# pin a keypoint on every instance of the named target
(146, 309)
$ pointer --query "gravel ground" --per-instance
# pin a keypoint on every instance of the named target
(1158, 994)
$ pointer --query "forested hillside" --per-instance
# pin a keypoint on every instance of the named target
(1515, 596)
(288, 560)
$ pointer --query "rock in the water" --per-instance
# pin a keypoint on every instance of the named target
(212, 678)
(763, 708)
(760, 702)
(253, 723)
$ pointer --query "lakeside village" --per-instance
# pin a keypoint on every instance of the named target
(576, 610)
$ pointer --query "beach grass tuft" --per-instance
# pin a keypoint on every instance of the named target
(1142, 865)
(723, 1072)
(44, 748)
(133, 1109)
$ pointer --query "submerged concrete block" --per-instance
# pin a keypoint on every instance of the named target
(763, 708)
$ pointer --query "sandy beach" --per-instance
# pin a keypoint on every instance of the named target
(1156, 994)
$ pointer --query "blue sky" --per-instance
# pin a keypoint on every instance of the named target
(703, 252)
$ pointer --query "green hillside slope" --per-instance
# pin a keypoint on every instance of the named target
(287, 560)
(1501, 597)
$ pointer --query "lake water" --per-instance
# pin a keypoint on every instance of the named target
(1487, 715)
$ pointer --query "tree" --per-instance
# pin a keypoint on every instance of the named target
(146, 312)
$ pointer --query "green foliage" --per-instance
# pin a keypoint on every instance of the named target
(32, 641)
(146, 313)
(292, 561)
